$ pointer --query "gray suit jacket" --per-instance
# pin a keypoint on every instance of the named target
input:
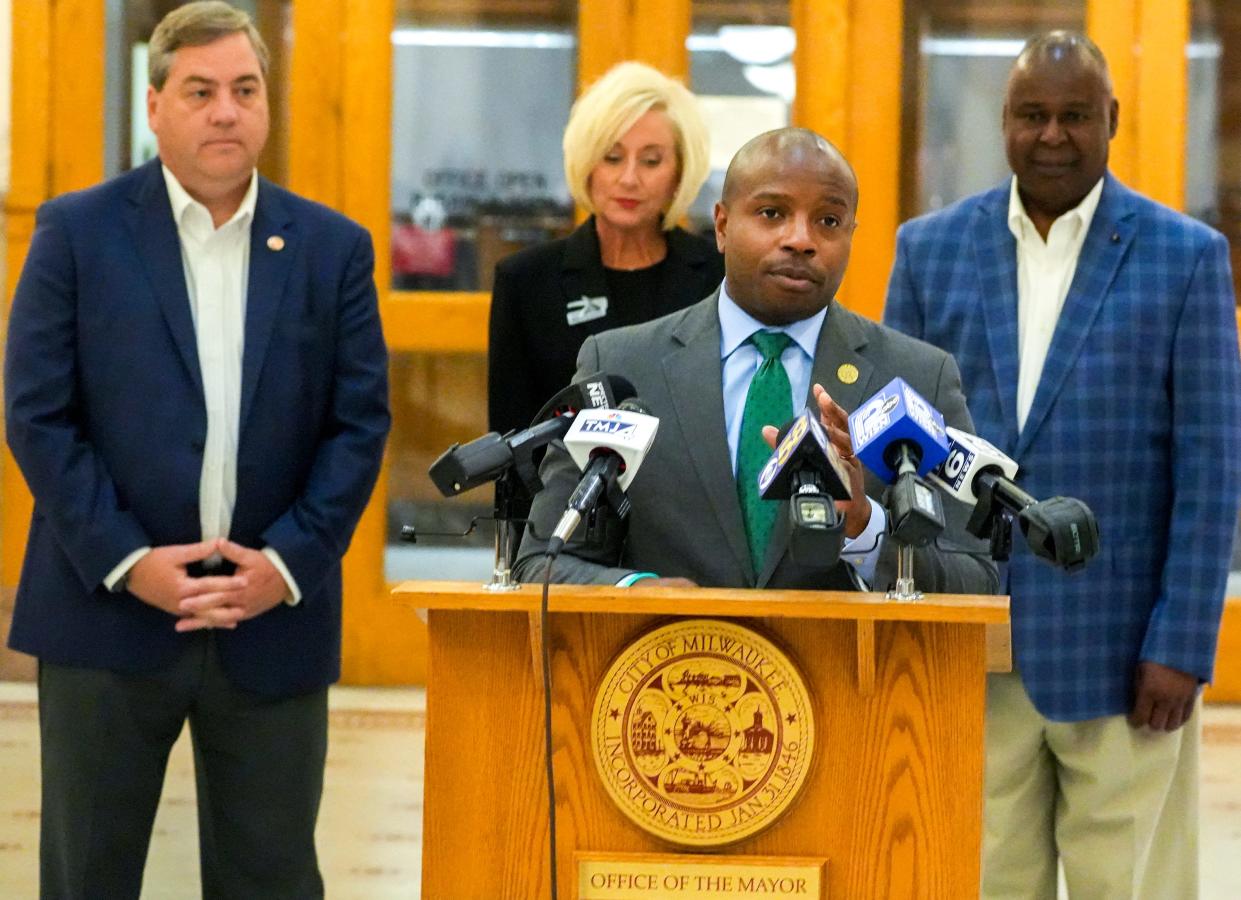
(686, 519)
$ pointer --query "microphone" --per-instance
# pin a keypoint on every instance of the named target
(595, 391)
(805, 469)
(895, 425)
(899, 436)
(609, 447)
(463, 467)
(1061, 530)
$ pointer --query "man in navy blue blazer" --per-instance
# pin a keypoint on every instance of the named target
(1096, 335)
(196, 393)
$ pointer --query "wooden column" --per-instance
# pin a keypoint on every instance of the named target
(603, 38)
(848, 63)
(875, 149)
(57, 146)
(340, 154)
(1144, 42)
(1113, 25)
(659, 29)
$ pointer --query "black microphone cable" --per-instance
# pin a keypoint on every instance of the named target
(547, 721)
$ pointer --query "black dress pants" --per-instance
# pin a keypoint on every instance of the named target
(258, 765)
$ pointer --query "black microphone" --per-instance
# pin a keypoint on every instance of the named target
(595, 391)
(805, 469)
(609, 447)
(1061, 530)
(463, 467)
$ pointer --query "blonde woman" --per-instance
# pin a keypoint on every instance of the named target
(635, 156)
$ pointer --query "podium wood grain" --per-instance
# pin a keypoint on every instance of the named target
(893, 799)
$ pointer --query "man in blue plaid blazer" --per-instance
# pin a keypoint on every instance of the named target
(1096, 335)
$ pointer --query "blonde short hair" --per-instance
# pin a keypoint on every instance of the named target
(611, 106)
(195, 25)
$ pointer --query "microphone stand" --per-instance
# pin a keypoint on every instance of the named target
(501, 571)
(904, 590)
(914, 522)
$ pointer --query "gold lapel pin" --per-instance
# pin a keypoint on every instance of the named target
(847, 373)
(275, 242)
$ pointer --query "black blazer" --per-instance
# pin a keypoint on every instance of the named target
(532, 351)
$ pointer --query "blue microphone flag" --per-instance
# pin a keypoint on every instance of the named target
(894, 414)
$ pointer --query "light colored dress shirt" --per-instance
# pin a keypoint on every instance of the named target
(742, 359)
(1044, 274)
(216, 262)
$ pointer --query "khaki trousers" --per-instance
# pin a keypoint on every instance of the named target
(1117, 807)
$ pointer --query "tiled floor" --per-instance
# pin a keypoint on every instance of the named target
(370, 825)
(370, 829)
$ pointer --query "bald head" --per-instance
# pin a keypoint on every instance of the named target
(1062, 49)
(793, 146)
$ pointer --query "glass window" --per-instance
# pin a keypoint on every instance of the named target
(1213, 143)
(962, 51)
(1213, 132)
(741, 68)
(479, 105)
(481, 97)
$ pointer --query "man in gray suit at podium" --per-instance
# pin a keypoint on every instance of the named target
(716, 374)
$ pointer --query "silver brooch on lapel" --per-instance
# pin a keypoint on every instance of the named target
(586, 309)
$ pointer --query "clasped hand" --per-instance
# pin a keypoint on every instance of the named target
(214, 601)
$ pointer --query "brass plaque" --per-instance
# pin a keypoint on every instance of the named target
(702, 732)
(673, 877)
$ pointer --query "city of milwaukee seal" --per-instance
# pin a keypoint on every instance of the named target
(702, 732)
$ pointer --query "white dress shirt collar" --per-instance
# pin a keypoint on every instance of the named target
(1078, 218)
(181, 201)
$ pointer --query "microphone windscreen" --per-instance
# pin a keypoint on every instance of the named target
(622, 389)
(633, 404)
(596, 391)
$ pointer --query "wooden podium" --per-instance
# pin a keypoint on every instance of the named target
(893, 799)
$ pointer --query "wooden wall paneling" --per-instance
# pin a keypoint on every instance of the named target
(1113, 25)
(1162, 100)
(29, 185)
(659, 30)
(316, 129)
(1226, 686)
(339, 151)
(874, 148)
(56, 145)
(604, 38)
(366, 126)
(77, 105)
(440, 322)
(821, 61)
(1144, 42)
(849, 60)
